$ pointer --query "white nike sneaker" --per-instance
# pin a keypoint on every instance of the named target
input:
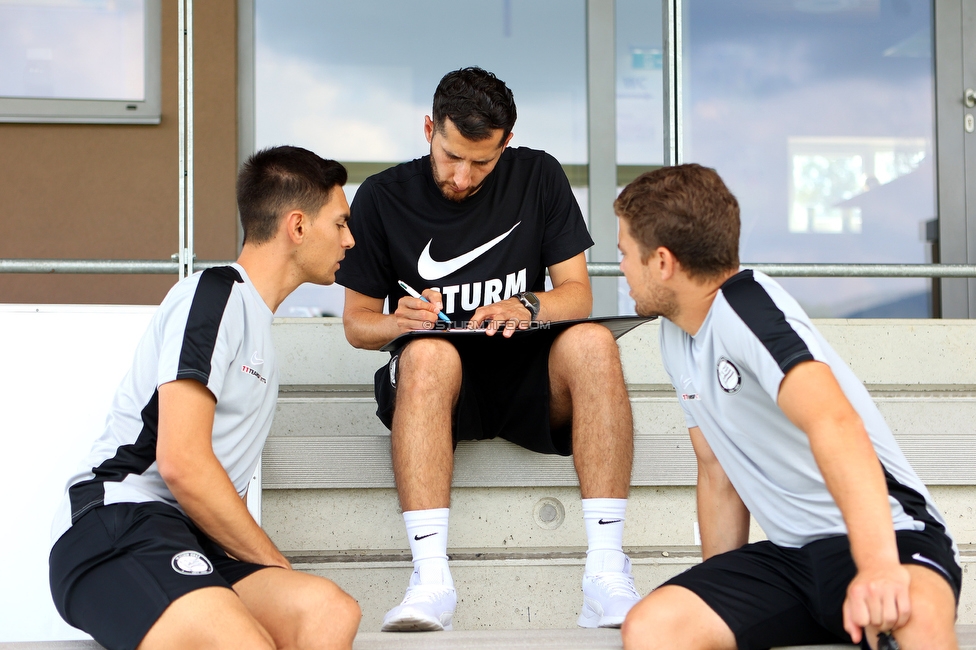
(425, 608)
(607, 597)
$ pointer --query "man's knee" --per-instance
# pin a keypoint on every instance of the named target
(672, 617)
(427, 356)
(932, 623)
(649, 621)
(348, 613)
(586, 343)
(326, 612)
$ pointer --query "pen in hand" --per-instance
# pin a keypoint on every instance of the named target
(413, 292)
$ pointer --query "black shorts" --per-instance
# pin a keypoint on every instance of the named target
(115, 571)
(504, 391)
(772, 596)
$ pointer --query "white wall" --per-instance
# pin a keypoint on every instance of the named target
(60, 366)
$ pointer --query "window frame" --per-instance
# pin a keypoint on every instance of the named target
(90, 111)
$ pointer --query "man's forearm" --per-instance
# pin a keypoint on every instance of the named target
(369, 330)
(208, 497)
(855, 479)
(813, 400)
(568, 301)
(723, 520)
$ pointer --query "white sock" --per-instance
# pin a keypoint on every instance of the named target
(427, 534)
(604, 521)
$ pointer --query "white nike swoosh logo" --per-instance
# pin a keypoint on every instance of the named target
(256, 360)
(431, 269)
(918, 557)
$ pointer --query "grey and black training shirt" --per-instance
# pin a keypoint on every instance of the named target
(214, 328)
(727, 378)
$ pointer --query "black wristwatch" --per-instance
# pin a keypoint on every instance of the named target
(531, 302)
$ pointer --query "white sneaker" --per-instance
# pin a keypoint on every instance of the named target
(425, 608)
(607, 597)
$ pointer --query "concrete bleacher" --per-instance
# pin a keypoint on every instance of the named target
(485, 640)
(516, 538)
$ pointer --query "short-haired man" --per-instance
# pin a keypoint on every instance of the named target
(154, 545)
(474, 226)
(782, 429)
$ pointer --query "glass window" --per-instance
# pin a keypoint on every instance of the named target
(819, 116)
(80, 61)
(72, 50)
(353, 81)
(640, 85)
(640, 100)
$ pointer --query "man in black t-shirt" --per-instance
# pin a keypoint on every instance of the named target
(474, 226)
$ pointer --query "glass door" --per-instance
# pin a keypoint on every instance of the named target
(955, 31)
(820, 116)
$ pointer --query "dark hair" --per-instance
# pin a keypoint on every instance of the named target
(477, 102)
(278, 179)
(688, 210)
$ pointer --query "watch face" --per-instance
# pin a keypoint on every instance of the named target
(531, 302)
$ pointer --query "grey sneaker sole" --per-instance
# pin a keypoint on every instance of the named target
(415, 624)
(589, 618)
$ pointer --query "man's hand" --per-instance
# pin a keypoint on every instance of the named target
(415, 314)
(507, 316)
(877, 598)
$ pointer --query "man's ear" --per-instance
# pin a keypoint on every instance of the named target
(295, 225)
(507, 140)
(428, 128)
(667, 263)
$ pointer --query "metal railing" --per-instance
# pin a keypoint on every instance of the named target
(835, 270)
(596, 269)
(103, 267)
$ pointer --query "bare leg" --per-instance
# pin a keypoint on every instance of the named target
(213, 617)
(674, 617)
(586, 387)
(423, 451)
(933, 619)
(300, 610)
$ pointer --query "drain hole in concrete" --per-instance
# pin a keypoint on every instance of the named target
(549, 513)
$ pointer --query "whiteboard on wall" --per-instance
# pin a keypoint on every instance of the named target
(60, 367)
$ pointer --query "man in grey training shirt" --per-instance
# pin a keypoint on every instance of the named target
(153, 544)
(784, 430)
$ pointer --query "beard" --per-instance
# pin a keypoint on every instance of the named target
(445, 186)
(659, 302)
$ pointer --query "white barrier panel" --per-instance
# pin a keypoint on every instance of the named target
(61, 365)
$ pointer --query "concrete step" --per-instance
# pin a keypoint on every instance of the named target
(516, 529)
(520, 589)
(327, 436)
(556, 639)
(301, 521)
(567, 639)
(929, 352)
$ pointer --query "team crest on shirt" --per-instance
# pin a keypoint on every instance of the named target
(729, 377)
(191, 563)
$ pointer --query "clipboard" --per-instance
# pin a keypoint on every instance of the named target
(618, 326)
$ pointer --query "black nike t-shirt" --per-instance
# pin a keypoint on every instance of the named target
(493, 244)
